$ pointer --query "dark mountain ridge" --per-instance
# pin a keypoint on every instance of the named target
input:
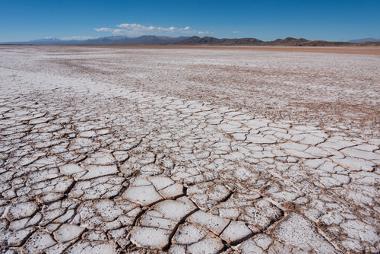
(193, 40)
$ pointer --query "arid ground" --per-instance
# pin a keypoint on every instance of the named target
(189, 150)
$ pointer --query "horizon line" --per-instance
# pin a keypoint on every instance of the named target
(88, 38)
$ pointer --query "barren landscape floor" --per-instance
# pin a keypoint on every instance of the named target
(106, 150)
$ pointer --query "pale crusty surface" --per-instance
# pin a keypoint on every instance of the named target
(109, 150)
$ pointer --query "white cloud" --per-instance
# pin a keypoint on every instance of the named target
(103, 29)
(132, 29)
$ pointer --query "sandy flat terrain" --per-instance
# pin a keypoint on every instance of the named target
(188, 150)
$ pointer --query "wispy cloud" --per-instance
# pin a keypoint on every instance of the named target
(132, 29)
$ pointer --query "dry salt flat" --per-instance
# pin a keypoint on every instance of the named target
(90, 165)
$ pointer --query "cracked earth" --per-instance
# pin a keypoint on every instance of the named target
(108, 150)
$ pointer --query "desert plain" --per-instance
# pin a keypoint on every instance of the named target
(189, 150)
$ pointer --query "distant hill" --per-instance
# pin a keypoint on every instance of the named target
(195, 40)
(289, 41)
(365, 40)
(142, 40)
(110, 40)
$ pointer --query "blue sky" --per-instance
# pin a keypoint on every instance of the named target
(270, 19)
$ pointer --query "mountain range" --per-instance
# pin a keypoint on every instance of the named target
(195, 40)
(365, 40)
